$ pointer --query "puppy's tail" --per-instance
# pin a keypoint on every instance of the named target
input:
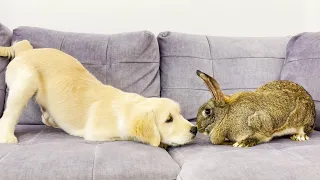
(15, 49)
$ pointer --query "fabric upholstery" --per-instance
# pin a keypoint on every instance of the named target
(47, 153)
(238, 64)
(128, 61)
(279, 159)
(303, 65)
(5, 40)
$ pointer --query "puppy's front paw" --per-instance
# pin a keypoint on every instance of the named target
(8, 138)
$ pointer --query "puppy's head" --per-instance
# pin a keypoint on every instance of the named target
(164, 123)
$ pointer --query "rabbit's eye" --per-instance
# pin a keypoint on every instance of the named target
(207, 112)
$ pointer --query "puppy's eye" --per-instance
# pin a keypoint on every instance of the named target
(170, 119)
(207, 112)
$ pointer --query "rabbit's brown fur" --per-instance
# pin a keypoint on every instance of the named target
(248, 118)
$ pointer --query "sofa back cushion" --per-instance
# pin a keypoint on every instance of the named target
(238, 64)
(5, 40)
(303, 65)
(128, 61)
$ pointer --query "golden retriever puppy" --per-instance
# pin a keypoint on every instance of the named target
(72, 99)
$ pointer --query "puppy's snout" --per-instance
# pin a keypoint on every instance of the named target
(194, 130)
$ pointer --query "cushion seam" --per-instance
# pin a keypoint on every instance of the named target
(180, 176)
(147, 46)
(62, 42)
(212, 69)
(209, 47)
(297, 60)
(29, 141)
(108, 60)
(280, 58)
(94, 157)
(301, 59)
(180, 157)
(204, 89)
(107, 54)
(20, 146)
(138, 62)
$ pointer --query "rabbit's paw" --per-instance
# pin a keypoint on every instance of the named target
(299, 137)
(249, 142)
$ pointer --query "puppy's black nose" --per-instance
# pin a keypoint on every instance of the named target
(194, 130)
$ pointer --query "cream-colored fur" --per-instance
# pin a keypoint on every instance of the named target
(72, 99)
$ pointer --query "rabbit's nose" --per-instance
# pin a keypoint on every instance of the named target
(194, 130)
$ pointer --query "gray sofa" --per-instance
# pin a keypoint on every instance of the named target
(165, 66)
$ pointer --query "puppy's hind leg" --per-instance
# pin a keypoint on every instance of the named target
(47, 119)
(22, 81)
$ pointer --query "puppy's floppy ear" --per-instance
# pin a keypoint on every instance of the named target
(145, 128)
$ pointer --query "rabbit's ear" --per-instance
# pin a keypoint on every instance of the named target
(212, 85)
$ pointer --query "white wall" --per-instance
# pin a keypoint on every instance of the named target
(312, 22)
(211, 17)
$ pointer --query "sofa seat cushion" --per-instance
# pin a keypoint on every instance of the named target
(5, 40)
(279, 159)
(47, 153)
(238, 64)
(128, 61)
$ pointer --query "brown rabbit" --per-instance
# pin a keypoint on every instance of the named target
(249, 118)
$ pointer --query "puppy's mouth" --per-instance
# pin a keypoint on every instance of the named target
(181, 144)
(175, 144)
